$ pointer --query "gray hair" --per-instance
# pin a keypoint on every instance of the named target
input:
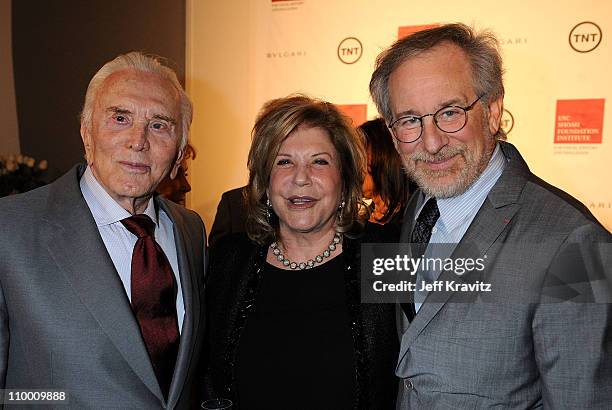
(482, 50)
(141, 62)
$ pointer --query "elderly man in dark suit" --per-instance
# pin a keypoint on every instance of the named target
(101, 281)
(542, 340)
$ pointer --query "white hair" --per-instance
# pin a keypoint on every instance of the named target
(141, 62)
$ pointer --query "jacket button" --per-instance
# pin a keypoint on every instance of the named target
(408, 384)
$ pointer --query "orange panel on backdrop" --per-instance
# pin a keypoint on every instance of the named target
(579, 121)
(405, 31)
(356, 112)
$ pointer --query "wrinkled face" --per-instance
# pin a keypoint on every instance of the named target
(443, 164)
(305, 183)
(133, 139)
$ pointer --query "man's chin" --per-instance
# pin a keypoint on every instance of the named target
(133, 193)
(443, 187)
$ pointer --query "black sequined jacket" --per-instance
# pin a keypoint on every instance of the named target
(236, 265)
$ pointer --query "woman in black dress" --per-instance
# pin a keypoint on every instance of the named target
(286, 326)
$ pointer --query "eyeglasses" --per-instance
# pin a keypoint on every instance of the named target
(409, 128)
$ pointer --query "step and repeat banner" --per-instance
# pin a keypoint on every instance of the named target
(557, 56)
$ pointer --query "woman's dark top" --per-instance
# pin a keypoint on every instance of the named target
(237, 274)
(300, 328)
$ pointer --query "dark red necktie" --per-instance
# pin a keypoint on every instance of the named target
(154, 299)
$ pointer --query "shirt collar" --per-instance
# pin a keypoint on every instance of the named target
(104, 208)
(455, 210)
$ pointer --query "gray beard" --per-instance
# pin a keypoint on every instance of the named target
(463, 180)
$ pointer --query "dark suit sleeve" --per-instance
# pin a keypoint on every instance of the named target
(202, 363)
(573, 339)
(4, 340)
(222, 224)
(214, 284)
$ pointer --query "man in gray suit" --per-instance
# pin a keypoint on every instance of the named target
(101, 281)
(528, 333)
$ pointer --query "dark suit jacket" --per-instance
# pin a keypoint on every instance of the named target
(538, 339)
(65, 319)
(230, 217)
(236, 264)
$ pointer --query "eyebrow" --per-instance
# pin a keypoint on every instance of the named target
(119, 110)
(447, 103)
(165, 118)
(282, 154)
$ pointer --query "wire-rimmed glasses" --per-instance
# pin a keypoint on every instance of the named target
(450, 119)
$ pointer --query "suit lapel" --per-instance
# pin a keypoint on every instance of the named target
(413, 204)
(493, 217)
(78, 250)
(191, 299)
(482, 233)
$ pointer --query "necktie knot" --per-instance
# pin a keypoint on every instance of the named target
(430, 213)
(425, 222)
(140, 225)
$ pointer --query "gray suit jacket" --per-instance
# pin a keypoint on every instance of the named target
(515, 348)
(65, 319)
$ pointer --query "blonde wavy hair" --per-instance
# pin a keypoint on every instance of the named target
(277, 119)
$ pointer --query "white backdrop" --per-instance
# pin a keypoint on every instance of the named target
(241, 55)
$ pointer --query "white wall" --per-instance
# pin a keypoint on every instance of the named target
(218, 82)
(243, 53)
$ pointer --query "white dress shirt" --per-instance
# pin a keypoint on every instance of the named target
(120, 242)
(458, 212)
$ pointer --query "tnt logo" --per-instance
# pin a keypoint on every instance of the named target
(350, 50)
(507, 121)
(585, 37)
